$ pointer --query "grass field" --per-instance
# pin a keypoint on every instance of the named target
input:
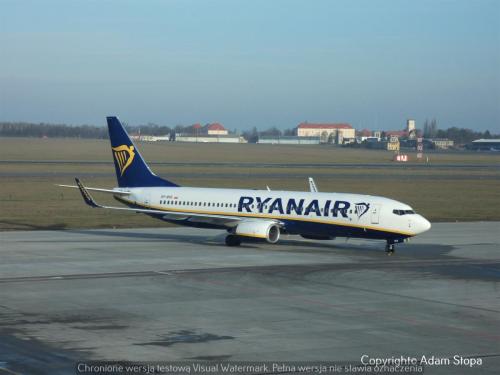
(29, 199)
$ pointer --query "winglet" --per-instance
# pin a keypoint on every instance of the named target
(85, 194)
(312, 186)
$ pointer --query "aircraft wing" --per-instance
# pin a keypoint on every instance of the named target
(228, 221)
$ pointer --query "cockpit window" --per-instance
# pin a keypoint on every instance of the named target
(403, 212)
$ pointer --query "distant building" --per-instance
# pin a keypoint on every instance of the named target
(195, 129)
(289, 140)
(364, 133)
(442, 143)
(208, 129)
(390, 145)
(209, 138)
(215, 129)
(396, 133)
(149, 138)
(393, 144)
(484, 145)
(411, 130)
(329, 133)
(370, 139)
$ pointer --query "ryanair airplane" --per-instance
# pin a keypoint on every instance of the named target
(253, 214)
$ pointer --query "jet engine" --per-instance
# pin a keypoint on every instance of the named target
(263, 229)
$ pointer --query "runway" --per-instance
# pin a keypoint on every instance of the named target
(180, 294)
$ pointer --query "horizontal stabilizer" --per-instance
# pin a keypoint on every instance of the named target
(110, 191)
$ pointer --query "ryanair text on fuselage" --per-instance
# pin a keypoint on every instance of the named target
(300, 207)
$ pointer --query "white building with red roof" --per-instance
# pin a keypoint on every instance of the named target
(215, 129)
(328, 132)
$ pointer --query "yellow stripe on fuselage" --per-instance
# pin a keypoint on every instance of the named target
(266, 216)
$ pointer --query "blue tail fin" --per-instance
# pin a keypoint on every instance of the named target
(131, 169)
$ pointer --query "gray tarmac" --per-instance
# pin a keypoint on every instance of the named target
(180, 294)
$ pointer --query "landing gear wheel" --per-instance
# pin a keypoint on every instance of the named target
(389, 248)
(232, 240)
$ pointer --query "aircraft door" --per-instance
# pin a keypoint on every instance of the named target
(375, 213)
(146, 196)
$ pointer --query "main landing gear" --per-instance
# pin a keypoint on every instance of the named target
(389, 247)
(233, 240)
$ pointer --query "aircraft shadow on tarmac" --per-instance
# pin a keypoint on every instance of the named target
(149, 237)
(289, 245)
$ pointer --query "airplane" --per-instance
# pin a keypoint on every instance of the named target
(252, 214)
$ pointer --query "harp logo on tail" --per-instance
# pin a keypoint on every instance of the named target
(124, 156)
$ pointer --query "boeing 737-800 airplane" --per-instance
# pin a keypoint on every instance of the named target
(253, 214)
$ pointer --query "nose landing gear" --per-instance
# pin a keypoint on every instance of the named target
(389, 247)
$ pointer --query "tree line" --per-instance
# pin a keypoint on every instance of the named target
(458, 135)
(23, 129)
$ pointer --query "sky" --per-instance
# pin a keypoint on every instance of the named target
(260, 63)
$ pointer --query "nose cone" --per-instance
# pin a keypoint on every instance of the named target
(421, 224)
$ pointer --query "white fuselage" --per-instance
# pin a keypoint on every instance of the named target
(336, 214)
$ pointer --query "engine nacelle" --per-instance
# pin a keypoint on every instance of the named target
(266, 230)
